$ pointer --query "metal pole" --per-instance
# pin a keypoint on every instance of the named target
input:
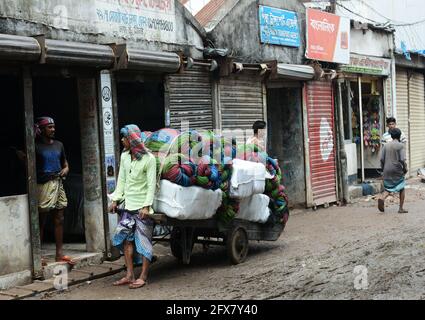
(341, 146)
(361, 127)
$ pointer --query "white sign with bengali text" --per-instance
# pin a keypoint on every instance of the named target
(152, 20)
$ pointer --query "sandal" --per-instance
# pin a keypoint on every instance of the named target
(122, 282)
(138, 284)
(402, 211)
(381, 205)
(66, 259)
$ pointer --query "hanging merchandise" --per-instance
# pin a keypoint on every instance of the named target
(371, 124)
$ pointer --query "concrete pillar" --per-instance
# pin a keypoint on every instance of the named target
(90, 150)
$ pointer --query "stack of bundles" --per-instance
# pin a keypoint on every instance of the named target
(212, 162)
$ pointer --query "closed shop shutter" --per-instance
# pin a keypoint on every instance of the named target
(403, 107)
(417, 122)
(241, 101)
(321, 134)
(190, 98)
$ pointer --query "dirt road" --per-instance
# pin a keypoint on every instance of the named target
(315, 258)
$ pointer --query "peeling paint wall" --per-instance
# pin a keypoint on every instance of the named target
(371, 43)
(103, 21)
(15, 246)
(240, 32)
(285, 128)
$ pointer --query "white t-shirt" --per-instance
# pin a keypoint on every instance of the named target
(386, 137)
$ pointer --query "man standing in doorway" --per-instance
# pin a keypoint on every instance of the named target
(52, 168)
(393, 163)
(391, 124)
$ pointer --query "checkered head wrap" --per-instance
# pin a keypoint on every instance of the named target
(134, 136)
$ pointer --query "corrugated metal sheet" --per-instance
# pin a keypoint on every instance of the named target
(190, 98)
(321, 134)
(208, 12)
(19, 48)
(152, 60)
(403, 108)
(241, 101)
(417, 122)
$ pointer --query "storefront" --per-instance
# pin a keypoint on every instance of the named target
(411, 115)
(90, 89)
(362, 87)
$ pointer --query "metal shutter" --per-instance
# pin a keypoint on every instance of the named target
(241, 101)
(403, 107)
(321, 135)
(417, 122)
(190, 98)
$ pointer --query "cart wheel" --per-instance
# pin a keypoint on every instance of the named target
(176, 245)
(237, 245)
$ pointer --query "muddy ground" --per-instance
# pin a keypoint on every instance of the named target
(315, 258)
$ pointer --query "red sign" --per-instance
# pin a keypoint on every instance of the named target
(328, 37)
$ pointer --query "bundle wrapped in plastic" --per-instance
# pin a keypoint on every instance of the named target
(248, 178)
(186, 203)
(254, 208)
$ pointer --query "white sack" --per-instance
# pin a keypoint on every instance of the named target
(186, 203)
(248, 178)
(255, 208)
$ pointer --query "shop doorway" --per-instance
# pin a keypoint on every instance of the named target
(286, 142)
(57, 97)
(141, 102)
(364, 125)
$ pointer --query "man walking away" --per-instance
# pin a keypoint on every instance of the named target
(393, 164)
(52, 168)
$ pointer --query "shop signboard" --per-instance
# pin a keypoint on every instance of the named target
(279, 27)
(328, 37)
(153, 20)
(368, 65)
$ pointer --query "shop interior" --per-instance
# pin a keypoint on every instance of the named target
(140, 101)
(12, 137)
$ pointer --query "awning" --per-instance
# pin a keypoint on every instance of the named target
(70, 53)
(295, 71)
(19, 48)
(77, 53)
(137, 59)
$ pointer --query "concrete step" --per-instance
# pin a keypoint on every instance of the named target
(82, 260)
(357, 191)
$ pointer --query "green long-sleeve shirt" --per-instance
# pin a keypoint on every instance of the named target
(136, 182)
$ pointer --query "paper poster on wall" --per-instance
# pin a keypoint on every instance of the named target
(328, 37)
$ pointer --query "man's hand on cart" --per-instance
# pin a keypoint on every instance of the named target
(113, 207)
(144, 213)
